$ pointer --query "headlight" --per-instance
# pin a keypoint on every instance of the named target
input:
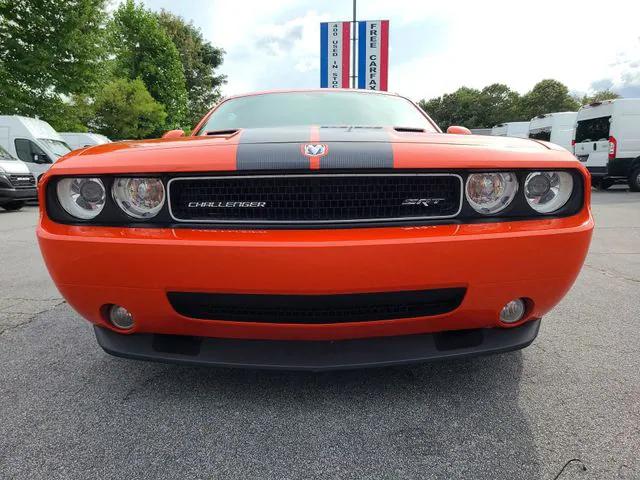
(490, 193)
(81, 197)
(547, 192)
(139, 197)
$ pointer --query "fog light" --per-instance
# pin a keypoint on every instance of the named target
(120, 317)
(513, 311)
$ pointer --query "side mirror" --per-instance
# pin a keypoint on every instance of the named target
(458, 130)
(173, 134)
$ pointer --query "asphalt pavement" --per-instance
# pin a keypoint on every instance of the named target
(68, 410)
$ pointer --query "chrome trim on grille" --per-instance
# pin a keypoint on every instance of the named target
(314, 222)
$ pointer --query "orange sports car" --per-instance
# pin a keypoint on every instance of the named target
(315, 229)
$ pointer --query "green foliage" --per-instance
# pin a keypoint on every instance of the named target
(124, 109)
(199, 60)
(497, 103)
(473, 108)
(144, 50)
(51, 51)
(598, 97)
(545, 97)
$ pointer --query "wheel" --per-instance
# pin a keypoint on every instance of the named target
(634, 180)
(604, 184)
(13, 206)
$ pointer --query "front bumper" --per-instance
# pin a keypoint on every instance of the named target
(316, 355)
(17, 194)
(137, 268)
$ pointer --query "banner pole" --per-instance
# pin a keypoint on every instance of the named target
(353, 47)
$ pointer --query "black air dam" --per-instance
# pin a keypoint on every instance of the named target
(316, 309)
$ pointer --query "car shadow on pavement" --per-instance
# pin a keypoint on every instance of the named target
(453, 419)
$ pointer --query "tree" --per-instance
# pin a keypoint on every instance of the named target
(545, 97)
(51, 50)
(199, 60)
(143, 50)
(461, 107)
(124, 109)
(498, 104)
(597, 97)
(473, 108)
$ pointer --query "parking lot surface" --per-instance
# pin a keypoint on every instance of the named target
(68, 410)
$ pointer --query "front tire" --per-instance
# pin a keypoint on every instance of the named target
(634, 180)
(13, 206)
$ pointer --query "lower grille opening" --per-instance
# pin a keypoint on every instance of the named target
(316, 309)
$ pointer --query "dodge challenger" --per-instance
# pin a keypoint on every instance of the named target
(315, 230)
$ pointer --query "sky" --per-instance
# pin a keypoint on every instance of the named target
(435, 46)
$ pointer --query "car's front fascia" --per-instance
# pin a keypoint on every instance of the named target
(142, 265)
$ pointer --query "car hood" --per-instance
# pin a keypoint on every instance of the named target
(13, 167)
(283, 149)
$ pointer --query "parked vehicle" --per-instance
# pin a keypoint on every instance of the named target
(558, 128)
(77, 140)
(607, 141)
(269, 241)
(17, 184)
(481, 131)
(33, 141)
(511, 129)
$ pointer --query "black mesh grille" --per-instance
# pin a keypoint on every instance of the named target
(316, 309)
(25, 180)
(315, 198)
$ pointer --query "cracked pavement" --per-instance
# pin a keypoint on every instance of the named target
(68, 410)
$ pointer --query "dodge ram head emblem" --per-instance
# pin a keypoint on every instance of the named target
(315, 149)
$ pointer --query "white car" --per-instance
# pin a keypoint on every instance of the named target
(607, 140)
(555, 127)
(511, 129)
(33, 141)
(77, 140)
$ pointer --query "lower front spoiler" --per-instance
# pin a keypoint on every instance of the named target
(316, 355)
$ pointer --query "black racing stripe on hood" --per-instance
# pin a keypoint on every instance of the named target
(356, 147)
(272, 149)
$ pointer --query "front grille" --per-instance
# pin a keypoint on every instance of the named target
(24, 180)
(316, 309)
(315, 198)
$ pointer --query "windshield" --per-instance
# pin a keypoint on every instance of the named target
(56, 146)
(4, 155)
(316, 108)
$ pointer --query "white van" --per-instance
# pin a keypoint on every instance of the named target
(77, 140)
(17, 184)
(558, 128)
(607, 140)
(511, 129)
(33, 141)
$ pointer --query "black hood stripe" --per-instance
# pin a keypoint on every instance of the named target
(356, 147)
(272, 149)
(281, 148)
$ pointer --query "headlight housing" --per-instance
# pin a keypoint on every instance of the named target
(547, 192)
(82, 197)
(139, 197)
(491, 192)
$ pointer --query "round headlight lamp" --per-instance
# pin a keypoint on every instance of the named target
(489, 193)
(139, 197)
(83, 198)
(547, 192)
